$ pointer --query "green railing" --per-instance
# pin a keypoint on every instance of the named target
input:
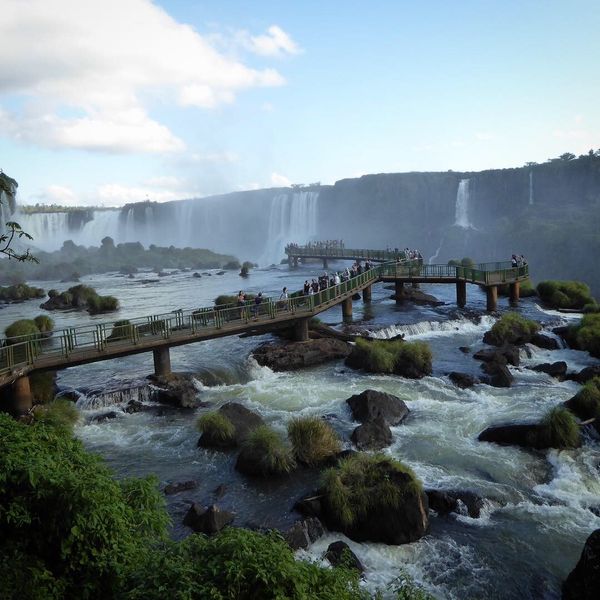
(337, 252)
(90, 341)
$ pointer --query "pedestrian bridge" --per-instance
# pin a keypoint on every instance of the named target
(157, 333)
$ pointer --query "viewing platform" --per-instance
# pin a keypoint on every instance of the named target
(157, 333)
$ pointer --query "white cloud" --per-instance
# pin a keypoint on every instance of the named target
(58, 194)
(82, 71)
(115, 194)
(279, 180)
(275, 42)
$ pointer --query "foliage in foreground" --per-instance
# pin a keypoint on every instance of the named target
(70, 530)
(313, 440)
(559, 429)
(361, 484)
(60, 413)
(565, 294)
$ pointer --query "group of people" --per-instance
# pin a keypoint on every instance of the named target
(518, 260)
(324, 245)
(332, 279)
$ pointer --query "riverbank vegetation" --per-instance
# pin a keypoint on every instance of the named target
(511, 328)
(587, 334)
(20, 292)
(82, 297)
(126, 258)
(313, 440)
(565, 294)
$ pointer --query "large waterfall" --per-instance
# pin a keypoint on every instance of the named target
(252, 225)
(461, 214)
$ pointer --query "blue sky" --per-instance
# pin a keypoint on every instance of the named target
(121, 100)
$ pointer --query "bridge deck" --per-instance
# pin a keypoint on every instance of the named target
(80, 345)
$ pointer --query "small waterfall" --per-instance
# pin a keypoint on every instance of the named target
(437, 252)
(461, 215)
(5, 211)
(293, 218)
(530, 188)
(94, 400)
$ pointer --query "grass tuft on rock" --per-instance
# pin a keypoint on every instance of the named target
(44, 323)
(313, 440)
(22, 330)
(565, 294)
(270, 454)
(587, 334)
(216, 426)
(60, 413)
(559, 429)
(511, 328)
(586, 402)
(361, 484)
(410, 359)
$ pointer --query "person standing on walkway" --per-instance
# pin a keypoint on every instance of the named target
(257, 302)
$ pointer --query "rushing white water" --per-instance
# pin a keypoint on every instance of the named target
(292, 218)
(530, 188)
(461, 213)
(433, 258)
(425, 329)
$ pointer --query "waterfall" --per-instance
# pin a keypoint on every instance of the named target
(293, 218)
(530, 188)
(437, 252)
(461, 214)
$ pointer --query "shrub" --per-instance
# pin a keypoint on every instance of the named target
(559, 429)
(527, 289)
(217, 427)
(587, 334)
(121, 330)
(361, 484)
(58, 413)
(410, 359)
(101, 304)
(467, 262)
(20, 292)
(43, 386)
(225, 299)
(565, 294)
(232, 265)
(22, 329)
(44, 323)
(586, 402)
(591, 308)
(511, 328)
(313, 440)
(268, 452)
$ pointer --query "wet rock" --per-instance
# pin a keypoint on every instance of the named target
(568, 335)
(220, 273)
(516, 334)
(175, 389)
(220, 491)
(464, 349)
(524, 435)
(134, 406)
(207, 520)
(339, 554)
(508, 354)
(545, 341)
(417, 296)
(180, 486)
(303, 533)
(297, 355)
(243, 420)
(462, 380)
(583, 582)
(106, 416)
(310, 506)
(197, 275)
(585, 374)
(372, 435)
(557, 369)
(498, 374)
(371, 404)
(456, 501)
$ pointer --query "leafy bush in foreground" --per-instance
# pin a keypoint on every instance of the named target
(565, 294)
(313, 440)
(58, 413)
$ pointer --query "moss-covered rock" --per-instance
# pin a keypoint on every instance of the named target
(81, 297)
(511, 328)
(20, 292)
(313, 440)
(587, 334)
(265, 454)
(565, 294)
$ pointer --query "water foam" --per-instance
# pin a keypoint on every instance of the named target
(425, 329)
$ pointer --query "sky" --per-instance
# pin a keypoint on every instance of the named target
(115, 101)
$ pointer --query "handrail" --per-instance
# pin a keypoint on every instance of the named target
(22, 352)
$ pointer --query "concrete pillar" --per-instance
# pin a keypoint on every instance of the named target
(514, 289)
(347, 309)
(492, 297)
(366, 295)
(162, 361)
(21, 398)
(294, 262)
(399, 285)
(461, 293)
(325, 264)
(301, 330)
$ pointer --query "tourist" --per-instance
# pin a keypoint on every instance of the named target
(241, 302)
(256, 307)
(513, 261)
(306, 288)
(283, 299)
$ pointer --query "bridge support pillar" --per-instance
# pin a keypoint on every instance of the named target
(366, 295)
(21, 398)
(293, 262)
(514, 289)
(399, 288)
(347, 309)
(325, 264)
(162, 361)
(461, 293)
(492, 298)
(301, 330)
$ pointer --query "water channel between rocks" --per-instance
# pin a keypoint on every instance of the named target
(538, 511)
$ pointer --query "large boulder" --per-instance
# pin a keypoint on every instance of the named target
(371, 404)
(244, 421)
(417, 296)
(339, 554)
(372, 435)
(208, 520)
(545, 341)
(517, 434)
(462, 380)
(498, 374)
(507, 354)
(557, 370)
(511, 328)
(303, 533)
(298, 355)
(180, 486)
(175, 389)
(568, 334)
(462, 502)
(585, 374)
(583, 582)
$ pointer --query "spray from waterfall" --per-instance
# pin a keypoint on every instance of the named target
(461, 212)
(530, 188)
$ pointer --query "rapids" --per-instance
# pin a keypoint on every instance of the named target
(540, 507)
